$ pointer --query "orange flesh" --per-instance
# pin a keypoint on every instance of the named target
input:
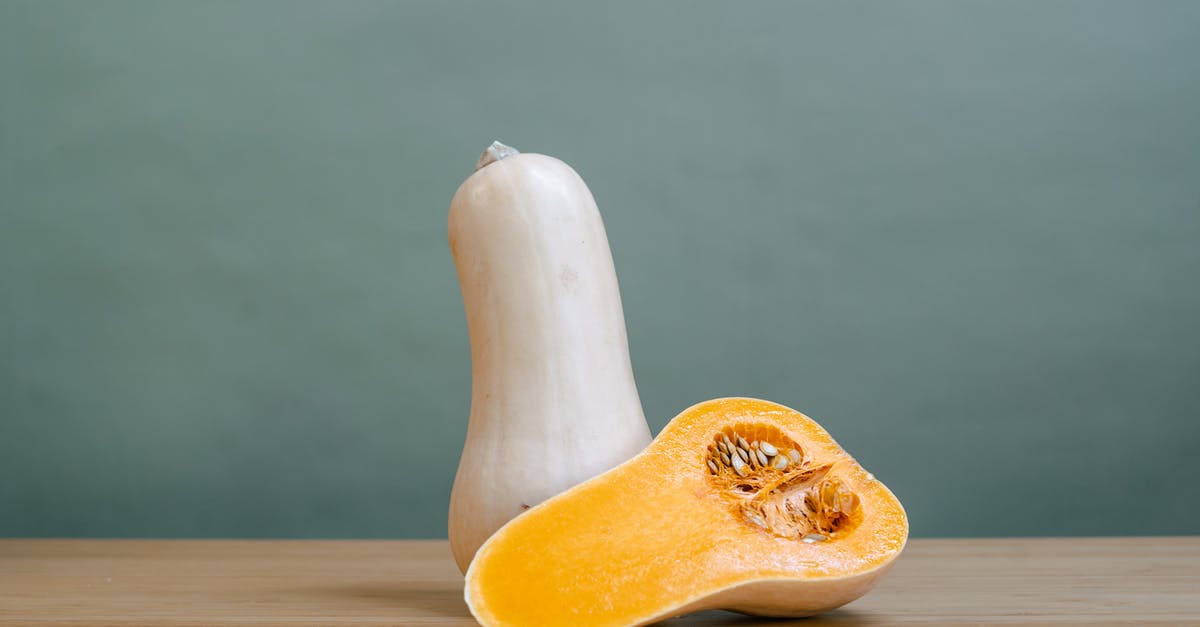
(663, 531)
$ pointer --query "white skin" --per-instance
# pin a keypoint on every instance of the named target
(553, 400)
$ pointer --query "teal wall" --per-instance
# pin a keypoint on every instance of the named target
(965, 236)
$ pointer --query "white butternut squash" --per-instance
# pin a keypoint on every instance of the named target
(553, 399)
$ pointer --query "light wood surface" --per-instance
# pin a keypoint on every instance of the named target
(1080, 581)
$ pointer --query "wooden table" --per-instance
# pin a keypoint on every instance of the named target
(1088, 581)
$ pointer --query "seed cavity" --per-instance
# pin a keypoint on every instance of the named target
(765, 477)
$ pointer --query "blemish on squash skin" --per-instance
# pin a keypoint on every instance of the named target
(569, 279)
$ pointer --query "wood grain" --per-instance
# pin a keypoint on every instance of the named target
(1084, 581)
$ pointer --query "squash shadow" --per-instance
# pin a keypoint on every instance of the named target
(431, 600)
(719, 618)
(444, 601)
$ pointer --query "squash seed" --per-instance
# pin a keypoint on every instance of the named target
(795, 456)
(738, 466)
(725, 459)
(762, 457)
(755, 518)
(743, 454)
(768, 448)
(743, 443)
(712, 466)
(781, 462)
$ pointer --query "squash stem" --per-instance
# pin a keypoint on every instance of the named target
(494, 153)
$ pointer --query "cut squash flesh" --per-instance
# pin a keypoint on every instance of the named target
(738, 504)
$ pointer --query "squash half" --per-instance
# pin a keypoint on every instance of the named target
(739, 504)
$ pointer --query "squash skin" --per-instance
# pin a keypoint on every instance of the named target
(649, 540)
(553, 398)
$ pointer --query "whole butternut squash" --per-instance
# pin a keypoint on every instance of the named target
(553, 399)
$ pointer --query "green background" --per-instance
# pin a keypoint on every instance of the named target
(965, 236)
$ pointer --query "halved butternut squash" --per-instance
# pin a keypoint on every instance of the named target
(738, 504)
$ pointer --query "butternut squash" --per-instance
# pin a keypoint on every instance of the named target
(739, 504)
(553, 399)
